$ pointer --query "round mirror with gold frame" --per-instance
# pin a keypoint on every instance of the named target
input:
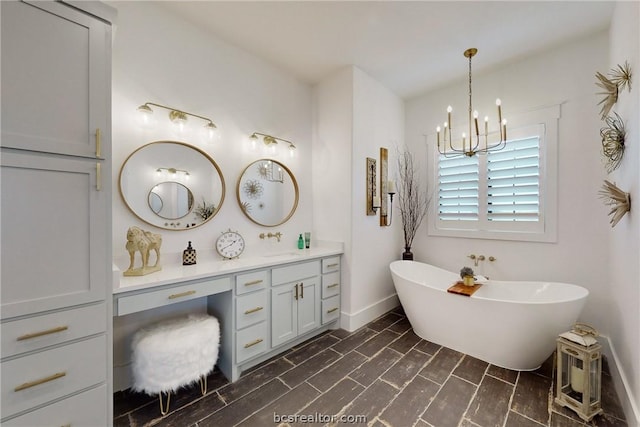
(172, 185)
(267, 192)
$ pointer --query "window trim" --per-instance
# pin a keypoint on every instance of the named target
(544, 230)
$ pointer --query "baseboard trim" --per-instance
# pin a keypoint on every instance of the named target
(625, 394)
(351, 322)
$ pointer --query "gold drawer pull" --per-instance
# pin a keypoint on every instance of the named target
(332, 310)
(253, 310)
(181, 294)
(40, 381)
(333, 285)
(98, 177)
(332, 265)
(253, 282)
(41, 333)
(252, 343)
(98, 143)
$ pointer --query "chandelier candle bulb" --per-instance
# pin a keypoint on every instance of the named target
(475, 119)
(438, 132)
(499, 104)
(449, 110)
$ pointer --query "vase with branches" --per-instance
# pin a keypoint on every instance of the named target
(412, 200)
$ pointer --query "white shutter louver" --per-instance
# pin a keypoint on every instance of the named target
(513, 182)
(458, 188)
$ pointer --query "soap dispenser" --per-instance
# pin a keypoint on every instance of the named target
(189, 255)
(300, 242)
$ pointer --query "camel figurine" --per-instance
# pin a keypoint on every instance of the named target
(139, 240)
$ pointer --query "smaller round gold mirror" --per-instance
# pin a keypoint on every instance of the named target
(267, 192)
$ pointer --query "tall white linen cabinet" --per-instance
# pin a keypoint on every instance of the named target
(55, 215)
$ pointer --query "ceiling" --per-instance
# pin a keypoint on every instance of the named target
(408, 46)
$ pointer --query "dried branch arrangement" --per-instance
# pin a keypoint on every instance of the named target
(412, 198)
(613, 136)
(618, 199)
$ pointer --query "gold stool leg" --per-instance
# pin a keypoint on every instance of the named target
(203, 384)
(164, 411)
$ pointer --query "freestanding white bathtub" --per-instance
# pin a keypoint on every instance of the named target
(513, 325)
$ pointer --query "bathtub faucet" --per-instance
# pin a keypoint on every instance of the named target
(476, 259)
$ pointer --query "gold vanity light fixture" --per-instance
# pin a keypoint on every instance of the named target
(179, 117)
(173, 172)
(271, 142)
(473, 142)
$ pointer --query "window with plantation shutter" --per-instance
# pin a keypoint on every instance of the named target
(513, 181)
(510, 194)
(458, 188)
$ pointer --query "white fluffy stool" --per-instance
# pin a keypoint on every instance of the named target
(174, 354)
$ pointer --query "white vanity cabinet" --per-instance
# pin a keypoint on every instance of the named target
(330, 306)
(273, 308)
(295, 301)
(56, 213)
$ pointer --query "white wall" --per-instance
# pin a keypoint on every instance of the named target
(354, 117)
(623, 308)
(563, 75)
(162, 59)
(587, 252)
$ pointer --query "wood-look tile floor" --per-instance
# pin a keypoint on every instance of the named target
(380, 375)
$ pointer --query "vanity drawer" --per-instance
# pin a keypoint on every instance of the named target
(251, 309)
(34, 333)
(88, 409)
(39, 378)
(252, 281)
(251, 342)
(170, 295)
(295, 272)
(330, 284)
(330, 265)
(330, 309)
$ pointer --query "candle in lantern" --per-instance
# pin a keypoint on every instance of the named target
(577, 379)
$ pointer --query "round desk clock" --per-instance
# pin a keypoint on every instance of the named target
(230, 244)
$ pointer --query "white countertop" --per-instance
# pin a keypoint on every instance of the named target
(210, 267)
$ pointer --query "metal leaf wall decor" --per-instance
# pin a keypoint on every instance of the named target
(610, 94)
(618, 199)
(619, 78)
(613, 136)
